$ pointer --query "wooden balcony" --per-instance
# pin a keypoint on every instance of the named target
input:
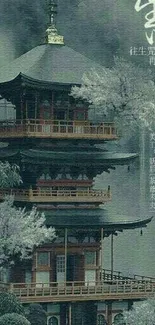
(67, 196)
(78, 291)
(57, 129)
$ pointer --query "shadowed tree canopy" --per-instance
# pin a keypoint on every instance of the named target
(13, 319)
(36, 315)
(10, 304)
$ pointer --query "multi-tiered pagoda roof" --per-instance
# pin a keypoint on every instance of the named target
(54, 66)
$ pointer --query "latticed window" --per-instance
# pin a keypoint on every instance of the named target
(90, 258)
(61, 263)
(43, 259)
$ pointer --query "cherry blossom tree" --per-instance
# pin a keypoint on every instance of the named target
(125, 91)
(20, 230)
(9, 175)
(143, 314)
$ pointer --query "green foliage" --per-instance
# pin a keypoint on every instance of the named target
(13, 319)
(36, 315)
(10, 304)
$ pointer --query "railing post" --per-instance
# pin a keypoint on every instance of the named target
(30, 193)
(11, 287)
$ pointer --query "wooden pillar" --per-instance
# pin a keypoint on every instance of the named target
(63, 314)
(109, 313)
(65, 254)
(130, 304)
(112, 255)
(101, 252)
(21, 106)
(36, 105)
(98, 266)
(70, 314)
(52, 106)
(26, 111)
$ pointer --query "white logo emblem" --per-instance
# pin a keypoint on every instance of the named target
(150, 19)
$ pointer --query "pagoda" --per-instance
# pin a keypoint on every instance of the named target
(56, 146)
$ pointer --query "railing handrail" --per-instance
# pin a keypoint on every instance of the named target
(57, 128)
(108, 274)
(56, 122)
(98, 290)
(63, 290)
(82, 283)
(50, 192)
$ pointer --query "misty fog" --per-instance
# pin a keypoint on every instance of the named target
(99, 29)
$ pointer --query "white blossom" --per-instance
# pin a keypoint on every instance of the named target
(143, 314)
(9, 175)
(126, 91)
(20, 232)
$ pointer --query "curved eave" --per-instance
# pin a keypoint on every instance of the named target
(22, 80)
(89, 158)
(91, 219)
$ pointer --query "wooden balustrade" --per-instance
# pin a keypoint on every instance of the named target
(49, 195)
(107, 275)
(57, 129)
(74, 291)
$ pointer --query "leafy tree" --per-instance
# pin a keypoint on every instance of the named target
(36, 315)
(13, 319)
(10, 304)
(20, 232)
(142, 314)
(125, 91)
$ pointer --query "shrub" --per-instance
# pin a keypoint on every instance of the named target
(10, 304)
(13, 319)
(36, 315)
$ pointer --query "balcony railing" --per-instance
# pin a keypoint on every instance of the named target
(48, 195)
(78, 291)
(57, 129)
(107, 275)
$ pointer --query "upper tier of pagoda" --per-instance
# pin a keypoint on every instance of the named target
(38, 85)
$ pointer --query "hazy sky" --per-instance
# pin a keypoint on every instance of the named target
(98, 28)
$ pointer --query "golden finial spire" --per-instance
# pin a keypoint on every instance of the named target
(52, 36)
